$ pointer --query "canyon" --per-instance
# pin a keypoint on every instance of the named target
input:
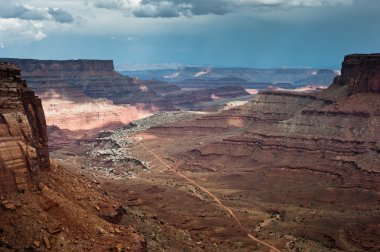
(285, 171)
(278, 171)
(89, 95)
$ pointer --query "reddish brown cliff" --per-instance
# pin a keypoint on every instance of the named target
(361, 72)
(23, 139)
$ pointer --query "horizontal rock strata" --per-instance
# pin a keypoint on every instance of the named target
(23, 139)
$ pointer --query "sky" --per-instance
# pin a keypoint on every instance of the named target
(236, 33)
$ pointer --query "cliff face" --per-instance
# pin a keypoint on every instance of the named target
(23, 139)
(361, 72)
(89, 94)
(44, 67)
(92, 78)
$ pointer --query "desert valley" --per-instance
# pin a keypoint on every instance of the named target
(101, 161)
(190, 126)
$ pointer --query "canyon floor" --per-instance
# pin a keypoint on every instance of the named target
(182, 199)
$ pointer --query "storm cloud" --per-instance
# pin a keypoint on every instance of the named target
(60, 15)
(249, 33)
(176, 8)
(21, 23)
(21, 12)
(26, 12)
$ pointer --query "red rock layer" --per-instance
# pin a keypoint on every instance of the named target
(361, 72)
(23, 139)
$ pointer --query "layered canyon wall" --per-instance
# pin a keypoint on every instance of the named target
(361, 73)
(23, 138)
(93, 78)
(293, 151)
(89, 94)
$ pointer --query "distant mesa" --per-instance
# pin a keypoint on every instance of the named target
(92, 78)
(49, 67)
(326, 71)
(322, 77)
(248, 77)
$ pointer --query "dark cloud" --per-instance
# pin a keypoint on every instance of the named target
(164, 9)
(176, 8)
(110, 5)
(168, 8)
(60, 15)
(21, 12)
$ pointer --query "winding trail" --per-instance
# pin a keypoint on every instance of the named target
(216, 199)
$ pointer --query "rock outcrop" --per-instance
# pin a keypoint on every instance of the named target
(361, 73)
(23, 138)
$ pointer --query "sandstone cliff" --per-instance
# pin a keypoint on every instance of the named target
(23, 139)
(360, 73)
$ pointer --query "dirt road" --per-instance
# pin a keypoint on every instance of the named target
(215, 198)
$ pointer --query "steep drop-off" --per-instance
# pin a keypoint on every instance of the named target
(23, 139)
(43, 207)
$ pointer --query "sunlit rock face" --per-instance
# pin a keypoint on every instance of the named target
(95, 78)
(89, 94)
(23, 139)
(89, 114)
